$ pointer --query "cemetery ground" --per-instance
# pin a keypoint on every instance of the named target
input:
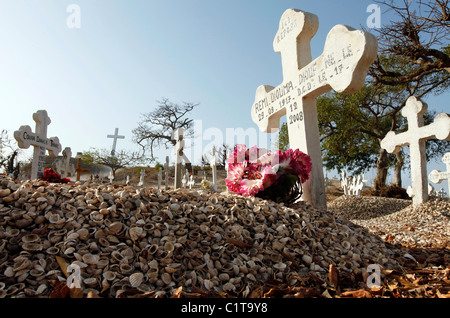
(231, 247)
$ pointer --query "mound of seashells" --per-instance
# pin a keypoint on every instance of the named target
(127, 237)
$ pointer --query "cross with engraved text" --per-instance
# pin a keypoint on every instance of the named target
(342, 66)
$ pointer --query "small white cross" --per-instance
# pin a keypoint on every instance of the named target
(415, 138)
(437, 176)
(115, 137)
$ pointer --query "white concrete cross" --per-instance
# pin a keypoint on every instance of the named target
(185, 179)
(179, 155)
(345, 183)
(191, 181)
(342, 66)
(141, 178)
(159, 177)
(213, 164)
(115, 137)
(415, 138)
(357, 185)
(166, 173)
(26, 138)
(65, 167)
(111, 177)
(437, 176)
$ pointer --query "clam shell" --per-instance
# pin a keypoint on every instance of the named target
(30, 238)
(115, 227)
(109, 275)
(136, 279)
(90, 259)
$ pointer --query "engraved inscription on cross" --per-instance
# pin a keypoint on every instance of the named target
(342, 66)
(26, 138)
(415, 137)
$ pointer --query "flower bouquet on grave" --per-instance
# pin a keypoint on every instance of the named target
(53, 177)
(275, 175)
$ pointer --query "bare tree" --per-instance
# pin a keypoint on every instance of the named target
(420, 34)
(8, 161)
(156, 127)
(121, 159)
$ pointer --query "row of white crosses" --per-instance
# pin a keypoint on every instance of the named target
(415, 138)
(353, 187)
(342, 66)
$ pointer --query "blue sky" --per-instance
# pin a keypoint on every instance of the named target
(128, 54)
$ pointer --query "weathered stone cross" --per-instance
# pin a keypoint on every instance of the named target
(25, 138)
(437, 176)
(66, 168)
(415, 137)
(179, 155)
(115, 137)
(342, 66)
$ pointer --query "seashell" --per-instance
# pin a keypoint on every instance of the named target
(109, 275)
(90, 259)
(72, 236)
(69, 250)
(229, 287)
(125, 268)
(166, 278)
(280, 266)
(172, 268)
(208, 284)
(346, 245)
(307, 259)
(169, 246)
(4, 192)
(90, 281)
(52, 250)
(41, 289)
(9, 272)
(83, 234)
(136, 279)
(30, 238)
(116, 227)
(136, 233)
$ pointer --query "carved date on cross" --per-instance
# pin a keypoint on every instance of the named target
(342, 66)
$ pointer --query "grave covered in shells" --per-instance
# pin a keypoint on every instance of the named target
(139, 238)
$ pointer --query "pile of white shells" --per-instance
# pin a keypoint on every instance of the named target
(396, 220)
(125, 237)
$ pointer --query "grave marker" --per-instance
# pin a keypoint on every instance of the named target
(141, 178)
(179, 155)
(191, 181)
(26, 138)
(437, 176)
(415, 138)
(159, 177)
(79, 170)
(166, 173)
(342, 66)
(213, 164)
(63, 166)
(111, 177)
(115, 137)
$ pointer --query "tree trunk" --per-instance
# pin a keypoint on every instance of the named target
(398, 171)
(382, 168)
